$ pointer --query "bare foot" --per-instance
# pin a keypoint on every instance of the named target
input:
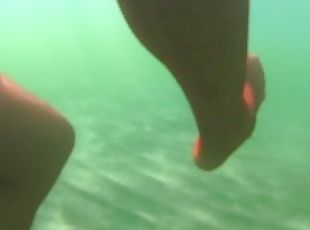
(209, 158)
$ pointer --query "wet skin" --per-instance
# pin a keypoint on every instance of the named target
(35, 142)
(204, 45)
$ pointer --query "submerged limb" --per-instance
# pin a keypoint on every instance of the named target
(253, 97)
(35, 142)
(204, 45)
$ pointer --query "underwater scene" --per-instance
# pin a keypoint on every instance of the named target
(132, 167)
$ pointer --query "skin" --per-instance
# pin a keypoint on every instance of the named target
(35, 142)
(204, 45)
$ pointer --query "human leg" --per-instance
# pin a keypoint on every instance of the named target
(35, 142)
(204, 45)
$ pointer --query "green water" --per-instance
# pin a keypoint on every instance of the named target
(131, 168)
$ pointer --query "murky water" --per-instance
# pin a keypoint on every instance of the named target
(131, 168)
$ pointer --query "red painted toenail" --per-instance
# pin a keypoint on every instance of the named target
(197, 149)
(248, 97)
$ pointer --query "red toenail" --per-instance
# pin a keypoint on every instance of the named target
(248, 97)
(197, 148)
